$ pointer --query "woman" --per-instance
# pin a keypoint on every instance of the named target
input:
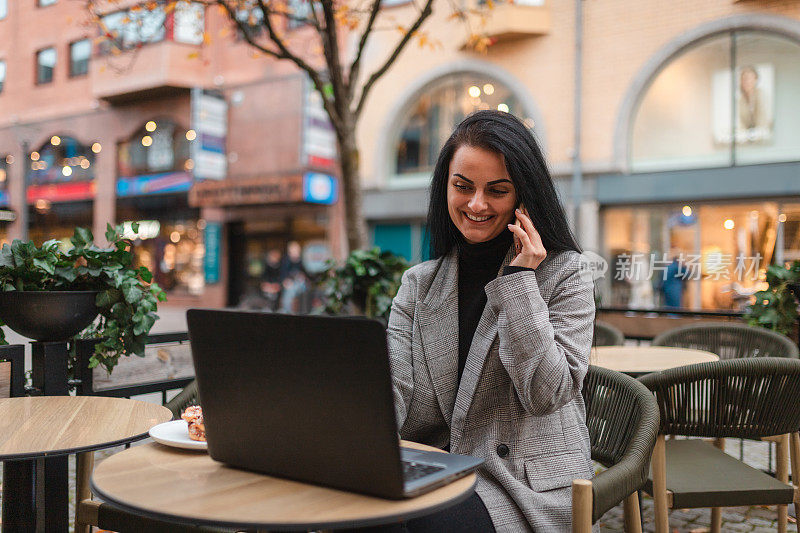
(489, 342)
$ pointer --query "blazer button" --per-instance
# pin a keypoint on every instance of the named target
(502, 450)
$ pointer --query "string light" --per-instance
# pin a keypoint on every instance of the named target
(147, 140)
(55, 140)
(150, 126)
(96, 147)
(191, 135)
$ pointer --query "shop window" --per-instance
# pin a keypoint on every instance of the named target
(79, 53)
(5, 161)
(169, 241)
(790, 221)
(432, 117)
(159, 146)
(728, 100)
(3, 9)
(2, 75)
(45, 64)
(61, 159)
(723, 251)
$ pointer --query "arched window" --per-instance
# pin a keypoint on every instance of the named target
(60, 159)
(430, 120)
(158, 146)
(730, 99)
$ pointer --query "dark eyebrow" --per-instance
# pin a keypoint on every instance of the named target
(495, 182)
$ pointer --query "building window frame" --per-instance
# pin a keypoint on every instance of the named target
(79, 68)
(40, 70)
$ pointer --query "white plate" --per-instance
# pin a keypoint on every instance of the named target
(176, 433)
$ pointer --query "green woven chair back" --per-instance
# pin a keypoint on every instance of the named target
(729, 340)
(745, 398)
(188, 396)
(622, 417)
(607, 335)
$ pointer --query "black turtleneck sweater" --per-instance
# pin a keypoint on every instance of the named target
(478, 264)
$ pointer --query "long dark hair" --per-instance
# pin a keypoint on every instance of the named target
(502, 133)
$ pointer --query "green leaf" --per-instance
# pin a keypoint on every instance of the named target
(132, 293)
(6, 257)
(82, 237)
(145, 274)
(111, 234)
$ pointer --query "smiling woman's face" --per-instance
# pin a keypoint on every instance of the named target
(480, 195)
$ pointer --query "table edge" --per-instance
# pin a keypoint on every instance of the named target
(70, 451)
(295, 526)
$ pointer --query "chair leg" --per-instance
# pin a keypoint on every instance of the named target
(86, 515)
(659, 466)
(794, 454)
(581, 506)
(633, 519)
(782, 474)
(83, 472)
(716, 519)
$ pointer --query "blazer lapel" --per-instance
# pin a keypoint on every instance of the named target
(482, 341)
(438, 321)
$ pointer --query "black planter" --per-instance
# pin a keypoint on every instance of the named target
(48, 315)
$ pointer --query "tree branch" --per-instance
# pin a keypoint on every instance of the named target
(424, 14)
(330, 41)
(297, 60)
(355, 66)
(246, 35)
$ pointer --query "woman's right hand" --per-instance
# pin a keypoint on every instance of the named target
(528, 242)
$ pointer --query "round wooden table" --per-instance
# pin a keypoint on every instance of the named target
(189, 487)
(42, 427)
(640, 360)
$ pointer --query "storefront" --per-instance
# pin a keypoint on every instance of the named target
(274, 227)
(61, 188)
(152, 187)
(713, 154)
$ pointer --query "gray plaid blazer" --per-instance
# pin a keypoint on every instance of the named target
(518, 404)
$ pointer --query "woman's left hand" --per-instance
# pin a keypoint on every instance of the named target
(531, 251)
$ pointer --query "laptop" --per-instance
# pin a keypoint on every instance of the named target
(308, 398)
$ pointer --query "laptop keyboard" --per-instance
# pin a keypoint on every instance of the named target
(413, 470)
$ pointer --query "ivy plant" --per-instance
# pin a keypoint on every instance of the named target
(126, 299)
(366, 283)
(776, 307)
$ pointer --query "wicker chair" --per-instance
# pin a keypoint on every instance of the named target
(607, 335)
(729, 340)
(188, 396)
(748, 398)
(622, 417)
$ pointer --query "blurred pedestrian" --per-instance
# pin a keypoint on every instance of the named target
(293, 278)
(271, 279)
